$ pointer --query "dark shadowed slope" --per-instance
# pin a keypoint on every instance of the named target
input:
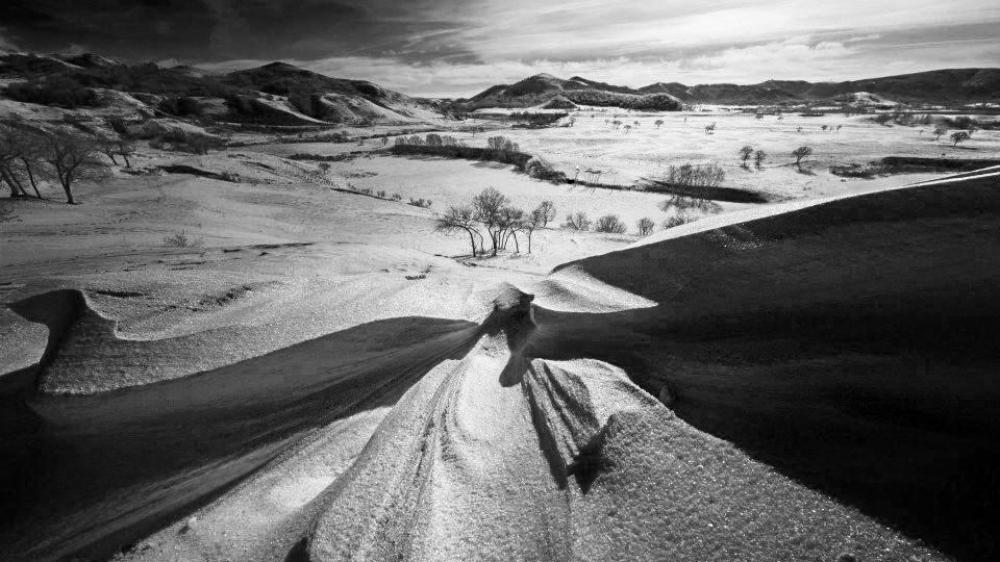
(848, 344)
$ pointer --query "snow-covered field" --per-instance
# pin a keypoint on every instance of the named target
(280, 367)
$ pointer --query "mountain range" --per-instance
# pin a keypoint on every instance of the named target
(938, 86)
(286, 95)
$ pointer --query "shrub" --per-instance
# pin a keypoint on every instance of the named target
(959, 136)
(396, 197)
(645, 226)
(380, 194)
(577, 221)
(684, 204)
(882, 118)
(707, 175)
(502, 144)
(540, 169)
(610, 223)
(6, 213)
(421, 202)
(181, 240)
(855, 170)
(187, 141)
(678, 220)
(61, 91)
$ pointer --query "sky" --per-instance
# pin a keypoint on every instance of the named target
(455, 48)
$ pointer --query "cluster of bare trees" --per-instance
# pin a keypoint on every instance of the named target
(30, 155)
(758, 157)
(492, 213)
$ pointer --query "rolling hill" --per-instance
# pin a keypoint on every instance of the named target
(273, 94)
(543, 88)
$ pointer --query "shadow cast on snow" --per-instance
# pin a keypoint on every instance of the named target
(85, 475)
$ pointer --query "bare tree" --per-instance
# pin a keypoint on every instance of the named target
(24, 145)
(71, 155)
(577, 221)
(959, 136)
(800, 153)
(31, 153)
(108, 147)
(645, 226)
(10, 153)
(537, 219)
(547, 212)
(125, 148)
(511, 219)
(457, 219)
(758, 158)
(745, 154)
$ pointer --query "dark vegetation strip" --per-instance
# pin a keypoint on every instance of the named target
(913, 164)
(184, 169)
(518, 159)
(714, 193)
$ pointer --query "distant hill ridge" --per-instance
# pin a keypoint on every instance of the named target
(964, 85)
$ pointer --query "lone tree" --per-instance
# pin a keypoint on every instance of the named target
(547, 213)
(800, 153)
(658, 123)
(959, 136)
(710, 129)
(460, 219)
(71, 155)
(939, 131)
(745, 154)
(758, 158)
(645, 226)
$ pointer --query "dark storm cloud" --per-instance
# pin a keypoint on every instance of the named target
(219, 29)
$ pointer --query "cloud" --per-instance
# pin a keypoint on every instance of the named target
(793, 59)
(5, 42)
(458, 47)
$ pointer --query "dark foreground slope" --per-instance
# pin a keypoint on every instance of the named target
(850, 345)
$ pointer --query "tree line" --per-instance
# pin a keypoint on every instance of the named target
(30, 154)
